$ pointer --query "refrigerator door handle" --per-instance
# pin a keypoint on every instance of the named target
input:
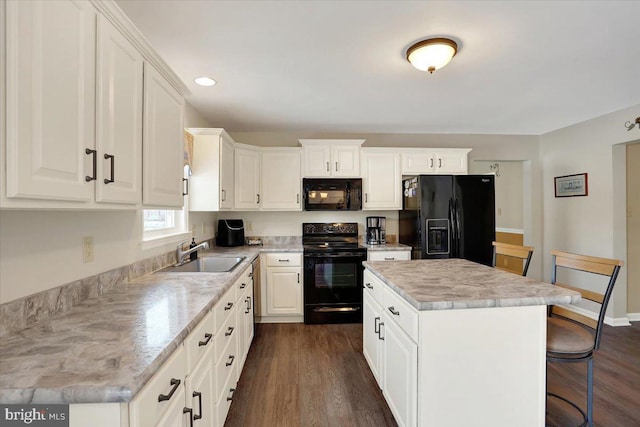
(453, 239)
(457, 208)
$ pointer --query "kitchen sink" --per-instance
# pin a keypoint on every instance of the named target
(214, 264)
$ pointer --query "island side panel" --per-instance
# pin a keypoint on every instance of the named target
(483, 366)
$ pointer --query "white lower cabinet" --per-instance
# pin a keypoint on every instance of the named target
(372, 341)
(283, 290)
(400, 372)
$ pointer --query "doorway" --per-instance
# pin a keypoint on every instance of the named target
(633, 231)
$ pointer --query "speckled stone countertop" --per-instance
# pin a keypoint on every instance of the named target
(445, 284)
(107, 348)
(387, 247)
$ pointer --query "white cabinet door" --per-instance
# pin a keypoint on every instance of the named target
(119, 117)
(176, 416)
(400, 373)
(247, 179)
(162, 144)
(453, 161)
(199, 391)
(371, 342)
(345, 160)
(281, 180)
(284, 291)
(317, 160)
(50, 99)
(418, 161)
(226, 174)
(382, 181)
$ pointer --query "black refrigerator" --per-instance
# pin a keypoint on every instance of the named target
(449, 216)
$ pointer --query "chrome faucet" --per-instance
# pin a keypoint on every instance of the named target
(182, 255)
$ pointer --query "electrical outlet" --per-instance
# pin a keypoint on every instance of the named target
(499, 211)
(87, 249)
(202, 228)
(249, 226)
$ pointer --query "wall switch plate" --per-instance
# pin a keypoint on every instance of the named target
(87, 249)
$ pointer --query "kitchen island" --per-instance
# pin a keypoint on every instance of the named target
(455, 343)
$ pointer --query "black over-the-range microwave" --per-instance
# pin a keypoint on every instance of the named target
(332, 194)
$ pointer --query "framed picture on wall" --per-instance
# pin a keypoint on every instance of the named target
(572, 185)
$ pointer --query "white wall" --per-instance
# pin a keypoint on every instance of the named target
(509, 191)
(290, 223)
(40, 250)
(596, 224)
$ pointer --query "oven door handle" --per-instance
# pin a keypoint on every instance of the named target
(337, 255)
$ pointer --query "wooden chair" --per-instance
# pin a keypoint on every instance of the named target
(514, 251)
(568, 341)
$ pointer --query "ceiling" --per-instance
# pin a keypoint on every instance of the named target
(523, 67)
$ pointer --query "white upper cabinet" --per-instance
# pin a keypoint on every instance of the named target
(281, 179)
(119, 117)
(74, 111)
(50, 99)
(381, 179)
(211, 183)
(163, 142)
(331, 157)
(247, 179)
(434, 161)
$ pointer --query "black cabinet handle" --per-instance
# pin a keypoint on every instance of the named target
(366, 197)
(207, 338)
(380, 325)
(298, 198)
(231, 359)
(258, 201)
(199, 396)
(327, 166)
(439, 163)
(112, 158)
(431, 162)
(248, 301)
(284, 260)
(298, 277)
(189, 411)
(393, 311)
(175, 383)
(185, 181)
(376, 328)
(95, 165)
(389, 259)
(228, 306)
(242, 286)
(336, 166)
(224, 195)
(229, 331)
(368, 285)
(231, 390)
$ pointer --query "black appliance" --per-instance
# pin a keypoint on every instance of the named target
(230, 232)
(449, 216)
(332, 194)
(376, 230)
(332, 273)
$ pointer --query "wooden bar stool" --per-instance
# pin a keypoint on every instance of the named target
(568, 341)
(514, 251)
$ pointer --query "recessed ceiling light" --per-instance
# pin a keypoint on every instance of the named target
(431, 54)
(205, 81)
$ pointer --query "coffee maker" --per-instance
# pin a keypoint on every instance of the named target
(376, 230)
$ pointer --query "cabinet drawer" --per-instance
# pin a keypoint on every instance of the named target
(145, 408)
(224, 400)
(244, 281)
(401, 312)
(199, 340)
(224, 307)
(224, 336)
(224, 367)
(389, 255)
(373, 286)
(284, 260)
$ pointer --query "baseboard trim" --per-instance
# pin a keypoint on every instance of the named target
(280, 319)
(611, 321)
(633, 317)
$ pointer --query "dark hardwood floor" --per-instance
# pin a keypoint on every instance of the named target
(316, 375)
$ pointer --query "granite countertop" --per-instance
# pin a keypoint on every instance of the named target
(445, 284)
(387, 247)
(105, 349)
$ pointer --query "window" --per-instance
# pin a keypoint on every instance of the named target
(163, 226)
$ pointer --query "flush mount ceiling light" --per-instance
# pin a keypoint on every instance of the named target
(205, 81)
(432, 54)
